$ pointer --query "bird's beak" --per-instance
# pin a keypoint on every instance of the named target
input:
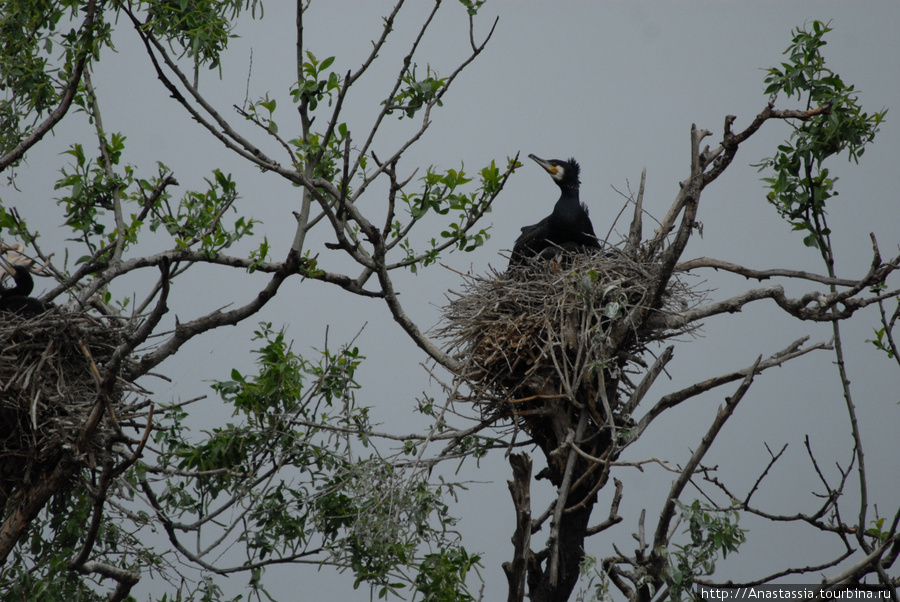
(550, 169)
(6, 267)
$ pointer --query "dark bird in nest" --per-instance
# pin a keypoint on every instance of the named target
(568, 228)
(24, 283)
(15, 298)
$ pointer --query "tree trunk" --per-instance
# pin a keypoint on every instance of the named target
(572, 530)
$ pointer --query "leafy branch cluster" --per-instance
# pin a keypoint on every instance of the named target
(298, 477)
(803, 185)
(289, 475)
(711, 532)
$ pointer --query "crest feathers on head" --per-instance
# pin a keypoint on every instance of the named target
(575, 168)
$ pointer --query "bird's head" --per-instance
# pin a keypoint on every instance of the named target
(21, 276)
(564, 173)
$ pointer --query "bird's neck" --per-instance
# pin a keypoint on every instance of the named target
(569, 194)
(567, 207)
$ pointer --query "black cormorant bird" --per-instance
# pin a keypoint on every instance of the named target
(568, 227)
(15, 298)
(24, 283)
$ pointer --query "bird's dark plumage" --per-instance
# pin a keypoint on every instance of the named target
(567, 227)
(24, 283)
(15, 299)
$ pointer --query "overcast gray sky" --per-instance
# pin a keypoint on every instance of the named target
(616, 85)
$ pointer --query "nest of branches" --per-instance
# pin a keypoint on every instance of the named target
(51, 396)
(553, 333)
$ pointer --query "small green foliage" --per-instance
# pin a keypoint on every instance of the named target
(263, 112)
(877, 531)
(326, 157)
(442, 194)
(382, 517)
(801, 185)
(10, 223)
(597, 587)
(92, 194)
(317, 84)
(279, 387)
(199, 218)
(259, 255)
(202, 28)
(881, 342)
(442, 575)
(416, 93)
(712, 531)
(472, 6)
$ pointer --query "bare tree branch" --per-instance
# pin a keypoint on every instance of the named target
(670, 400)
(660, 538)
(720, 264)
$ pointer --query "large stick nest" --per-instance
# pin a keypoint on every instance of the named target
(51, 367)
(545, 330)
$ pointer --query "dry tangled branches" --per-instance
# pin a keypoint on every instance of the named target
(51, 398)
(545, 333)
